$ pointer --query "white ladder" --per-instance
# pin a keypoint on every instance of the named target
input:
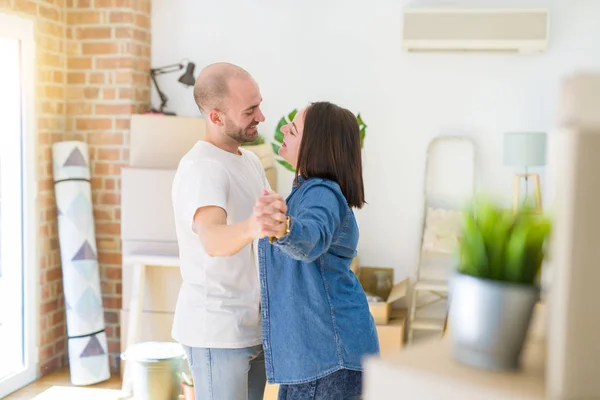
(440, 209)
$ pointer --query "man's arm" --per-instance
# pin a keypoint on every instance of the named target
(218, 238)
(202, 200)
(202, 195)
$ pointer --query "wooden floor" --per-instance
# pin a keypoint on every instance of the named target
(60, 378)
(57, 386)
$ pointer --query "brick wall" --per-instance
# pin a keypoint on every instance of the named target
(92, 63)
(108, 45)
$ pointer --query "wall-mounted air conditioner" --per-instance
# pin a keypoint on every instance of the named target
(475, 29)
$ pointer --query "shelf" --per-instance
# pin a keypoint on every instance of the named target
(427, 324)
(427, 371)
(151, 259)
(433, 285)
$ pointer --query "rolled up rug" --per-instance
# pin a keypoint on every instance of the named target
(87, 343)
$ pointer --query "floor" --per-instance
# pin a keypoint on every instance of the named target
(57, 386)
(61, 388)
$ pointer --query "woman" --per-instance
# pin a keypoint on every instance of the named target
(317, 327)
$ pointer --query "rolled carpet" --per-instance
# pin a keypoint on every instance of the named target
(87, 343)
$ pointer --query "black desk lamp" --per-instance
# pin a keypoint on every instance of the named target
(187, 79)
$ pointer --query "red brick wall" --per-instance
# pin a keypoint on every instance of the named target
(108, 61)
(91, 67)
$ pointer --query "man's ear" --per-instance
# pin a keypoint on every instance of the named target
(215, 117)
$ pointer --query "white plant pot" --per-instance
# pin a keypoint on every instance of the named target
(489, 321)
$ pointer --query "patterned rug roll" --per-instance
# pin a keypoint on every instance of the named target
(87, 344)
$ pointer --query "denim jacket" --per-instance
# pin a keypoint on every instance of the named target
(315, 315)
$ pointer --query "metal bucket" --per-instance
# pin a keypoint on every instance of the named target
(489, 321)
(155, 369)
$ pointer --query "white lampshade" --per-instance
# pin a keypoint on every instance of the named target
(525, 149)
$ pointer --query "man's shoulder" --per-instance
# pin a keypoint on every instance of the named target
(199, 155)
(201, 151)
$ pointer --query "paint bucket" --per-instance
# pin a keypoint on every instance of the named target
(155, 370)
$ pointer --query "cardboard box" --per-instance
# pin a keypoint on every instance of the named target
(159, 141)
(391, 335)
(382, 310)
(146, 205)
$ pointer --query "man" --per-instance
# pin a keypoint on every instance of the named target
(217, 317)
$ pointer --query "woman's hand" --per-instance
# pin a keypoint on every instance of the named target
(269, 214)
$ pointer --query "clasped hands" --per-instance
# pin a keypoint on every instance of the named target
(269, 215)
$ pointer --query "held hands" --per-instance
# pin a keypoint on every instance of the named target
(269, 215)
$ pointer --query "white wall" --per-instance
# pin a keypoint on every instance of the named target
(348, 52)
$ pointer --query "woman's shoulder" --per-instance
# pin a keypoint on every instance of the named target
(321, 189)
(319, 184)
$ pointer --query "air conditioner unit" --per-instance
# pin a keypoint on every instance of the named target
(475, 29)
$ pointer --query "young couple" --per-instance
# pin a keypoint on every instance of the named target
(267, 288)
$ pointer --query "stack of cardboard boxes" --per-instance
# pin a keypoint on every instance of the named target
(390, 322)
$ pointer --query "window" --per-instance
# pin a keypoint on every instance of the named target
(18, 261)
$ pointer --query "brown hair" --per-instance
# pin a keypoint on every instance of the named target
(330, 149)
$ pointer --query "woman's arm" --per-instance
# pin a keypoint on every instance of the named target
(315, 222)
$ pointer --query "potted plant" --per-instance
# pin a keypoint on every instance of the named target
(187, 386)
(496, 285)
(286, 119)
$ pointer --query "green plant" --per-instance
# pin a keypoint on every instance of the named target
(259, 140)
(286, 119)
(502, 245)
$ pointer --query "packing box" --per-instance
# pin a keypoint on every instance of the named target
(391, 335)
(159, 141)
(379, 282)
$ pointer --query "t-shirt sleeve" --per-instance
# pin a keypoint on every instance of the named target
(205, 183)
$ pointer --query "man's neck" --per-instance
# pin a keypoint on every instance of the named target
(223, 142)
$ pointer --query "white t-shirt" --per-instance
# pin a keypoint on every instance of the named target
(219, 301)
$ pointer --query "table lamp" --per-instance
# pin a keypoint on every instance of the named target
(186, 79)
(524, 150)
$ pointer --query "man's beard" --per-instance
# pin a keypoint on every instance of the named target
(242, 135)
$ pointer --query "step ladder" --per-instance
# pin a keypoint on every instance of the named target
(440, 229)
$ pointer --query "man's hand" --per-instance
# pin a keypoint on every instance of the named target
(269, 216)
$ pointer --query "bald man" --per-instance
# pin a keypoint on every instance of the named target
(217, 317)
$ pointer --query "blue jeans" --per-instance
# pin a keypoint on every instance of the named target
(227, 374)
(341, 385)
